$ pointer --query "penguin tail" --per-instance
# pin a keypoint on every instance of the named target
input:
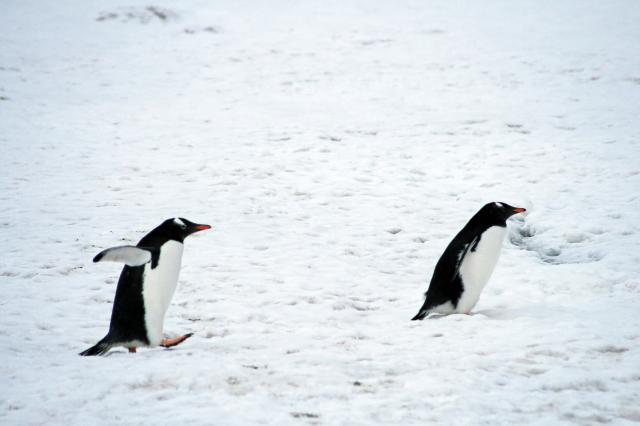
(100, 348)
(420, 315)
(424, 311)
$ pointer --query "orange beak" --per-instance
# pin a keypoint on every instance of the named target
(519, 210)
(201, 227)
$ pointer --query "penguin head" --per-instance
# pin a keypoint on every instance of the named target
(500, 211)
(174, 229)
(179, 228)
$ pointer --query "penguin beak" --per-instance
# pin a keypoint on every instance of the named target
(519, 210)
(197, 228)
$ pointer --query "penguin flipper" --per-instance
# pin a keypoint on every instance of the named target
(129, 255)
(100, 348)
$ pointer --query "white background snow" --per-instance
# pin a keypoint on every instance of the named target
(336, 147)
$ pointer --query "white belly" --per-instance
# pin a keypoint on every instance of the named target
(477, 266)
(158, 288)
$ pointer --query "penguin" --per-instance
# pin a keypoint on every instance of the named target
(145, 288)
(468, 261)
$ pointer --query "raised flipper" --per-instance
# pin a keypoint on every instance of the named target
(129, 255)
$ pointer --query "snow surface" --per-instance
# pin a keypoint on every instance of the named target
(336, 147)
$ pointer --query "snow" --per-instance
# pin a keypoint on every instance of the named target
(336, 148)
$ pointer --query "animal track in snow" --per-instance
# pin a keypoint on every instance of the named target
(553, 248)
(141, 15)
(610, 349)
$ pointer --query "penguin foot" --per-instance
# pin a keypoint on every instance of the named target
(132, 350)
(168, 343)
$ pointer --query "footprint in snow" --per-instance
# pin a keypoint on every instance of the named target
(610, 349)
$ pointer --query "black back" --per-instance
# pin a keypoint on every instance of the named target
(446, 283)
(127, 315)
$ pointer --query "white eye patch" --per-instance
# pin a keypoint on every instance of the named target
(499, 205)
(178, 222)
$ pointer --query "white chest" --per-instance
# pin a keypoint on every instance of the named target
(159, 285)
(477, 266)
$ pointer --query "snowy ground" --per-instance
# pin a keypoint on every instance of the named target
(336, 148)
